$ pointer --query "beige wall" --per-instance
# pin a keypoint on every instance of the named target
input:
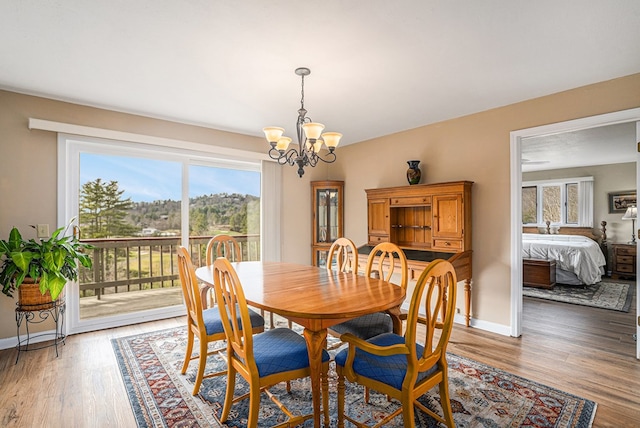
(474, 147)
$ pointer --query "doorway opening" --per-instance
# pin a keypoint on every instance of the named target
(518, 138)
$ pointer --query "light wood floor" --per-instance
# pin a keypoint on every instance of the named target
(587, 352)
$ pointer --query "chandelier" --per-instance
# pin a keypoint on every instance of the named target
(310, 139)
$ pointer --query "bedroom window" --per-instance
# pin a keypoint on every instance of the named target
(564, 202)
(552, 204)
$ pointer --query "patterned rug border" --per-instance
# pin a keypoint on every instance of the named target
(130, 386)
(140, 394)
(552, 294)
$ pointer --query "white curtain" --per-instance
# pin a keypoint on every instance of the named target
(271, 204)
(585, 190)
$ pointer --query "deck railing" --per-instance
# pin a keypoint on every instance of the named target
(132, 264)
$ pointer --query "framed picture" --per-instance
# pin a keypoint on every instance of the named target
(620, 201)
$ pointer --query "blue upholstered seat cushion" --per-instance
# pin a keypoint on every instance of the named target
(213, 321)
(280, 349)
(366, 326)
(390, 370)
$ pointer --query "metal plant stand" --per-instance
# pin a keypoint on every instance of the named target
(36, 314)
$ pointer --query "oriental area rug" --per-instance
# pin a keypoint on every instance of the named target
(607, 294)
(482, 396)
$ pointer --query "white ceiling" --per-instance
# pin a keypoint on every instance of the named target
(596, 146)
(378, 66)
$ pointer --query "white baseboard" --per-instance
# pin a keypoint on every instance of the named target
(41, 336)
(503, 330)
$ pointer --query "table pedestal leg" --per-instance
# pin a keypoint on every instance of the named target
(316, 341)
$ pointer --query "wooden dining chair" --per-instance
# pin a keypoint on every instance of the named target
(221, 245)
(385, 260)
(381, 263)
(342, 257)
(227, 246)
(277, 355)
(204, 324)
(406, 367)
(345, 253)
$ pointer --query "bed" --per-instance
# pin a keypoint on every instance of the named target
(579, 259)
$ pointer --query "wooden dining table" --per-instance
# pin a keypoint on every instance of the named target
(316, 299)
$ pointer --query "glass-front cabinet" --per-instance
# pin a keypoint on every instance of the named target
(327, 206)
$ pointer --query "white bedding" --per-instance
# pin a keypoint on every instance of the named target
(573, 253)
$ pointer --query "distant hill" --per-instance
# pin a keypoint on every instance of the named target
(207, 214)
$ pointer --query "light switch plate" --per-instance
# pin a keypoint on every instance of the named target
(42, 230)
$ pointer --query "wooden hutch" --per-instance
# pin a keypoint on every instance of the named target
(428, 221)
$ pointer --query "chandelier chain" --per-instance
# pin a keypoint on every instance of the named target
(302, 93)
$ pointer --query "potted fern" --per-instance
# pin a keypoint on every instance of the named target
(47, 264)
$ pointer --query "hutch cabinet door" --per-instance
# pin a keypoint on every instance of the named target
(447, 216)
(378, 221)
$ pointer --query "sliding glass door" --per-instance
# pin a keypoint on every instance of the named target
(135, 206)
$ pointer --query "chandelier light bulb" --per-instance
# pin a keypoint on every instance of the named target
(313, 130)
(273, 133)
(331, 139)
(283, 143)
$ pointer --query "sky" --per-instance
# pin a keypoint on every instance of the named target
(147, 180)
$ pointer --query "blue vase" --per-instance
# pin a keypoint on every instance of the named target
(413, 173)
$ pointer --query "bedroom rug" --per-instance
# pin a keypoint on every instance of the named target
(482, 396)
(607, 294)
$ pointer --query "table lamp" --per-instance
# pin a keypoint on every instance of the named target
(631, 214)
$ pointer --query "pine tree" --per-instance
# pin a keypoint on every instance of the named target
(103, 210)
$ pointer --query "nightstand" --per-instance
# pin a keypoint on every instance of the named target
(624, 261)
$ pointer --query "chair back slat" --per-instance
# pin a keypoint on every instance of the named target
(232, 302)
(346, 255)
(434, 296)
(190, 289)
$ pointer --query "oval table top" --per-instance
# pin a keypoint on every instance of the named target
(294, 290)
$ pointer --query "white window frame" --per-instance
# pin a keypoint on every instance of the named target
(585, 201)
